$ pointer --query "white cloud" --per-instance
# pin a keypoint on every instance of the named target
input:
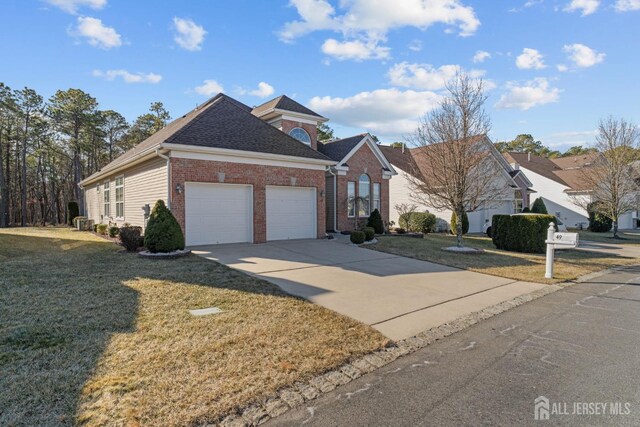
(364, 23)
(583, 56)
(262, 91)
(533, 93)
(481, 56)
(562, 68)
(587, 7)
(627, 5)
(415, 45)
(391, 112)
(208, 88)
(190, 35)
(425, 76)
(97, 33)
(128, 77)
(355, 49)
(72, 6)
(530, 59)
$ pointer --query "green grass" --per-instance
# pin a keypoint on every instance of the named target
(569, 264)
(90, 335)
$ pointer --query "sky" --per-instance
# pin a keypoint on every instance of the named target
(551, 68)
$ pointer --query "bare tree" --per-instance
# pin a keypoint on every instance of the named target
(456, 165)
(611, 179)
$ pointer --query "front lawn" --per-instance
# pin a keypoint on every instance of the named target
(90, 335)
(624, 237)
(518, 266)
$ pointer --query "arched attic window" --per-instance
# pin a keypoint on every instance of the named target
(301, 135)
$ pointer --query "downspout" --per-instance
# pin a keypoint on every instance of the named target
(335, 216)
(168, 159)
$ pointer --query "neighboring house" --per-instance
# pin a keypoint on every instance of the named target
(411, 165)
(231, 173)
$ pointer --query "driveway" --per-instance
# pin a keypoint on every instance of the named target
(398, 296)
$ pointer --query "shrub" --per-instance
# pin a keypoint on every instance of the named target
(598, 223)
(526, 210)
(95, 228)
(369, 233)
(113, 231)
(163, 233)
(357, 237)
(74, 211)
(420, 222)
(521, 233)
(454, 223)
(539, 207)
(130, 237)
(400, 230)
(102, 229)
(375, 222)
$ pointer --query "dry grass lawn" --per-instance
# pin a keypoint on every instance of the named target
(625, 237)
(93, 336)
(518, 266)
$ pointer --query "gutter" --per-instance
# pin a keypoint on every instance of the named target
(335, 210)
(168, 159)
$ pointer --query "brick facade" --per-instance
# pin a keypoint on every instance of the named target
(363, 161)
(288, 125)
(189, 170)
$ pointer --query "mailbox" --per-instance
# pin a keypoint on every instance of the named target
(565, 240)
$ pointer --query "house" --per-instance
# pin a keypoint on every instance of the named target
(231, 173)
(411, 165)
(558, 182)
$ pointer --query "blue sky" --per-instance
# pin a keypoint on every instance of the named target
(552, 67)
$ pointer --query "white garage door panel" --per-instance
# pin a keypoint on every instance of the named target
(291, 213)
(218, 213)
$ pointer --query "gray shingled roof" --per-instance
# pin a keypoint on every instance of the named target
(222, 122)
(283, 102)
(338, 149)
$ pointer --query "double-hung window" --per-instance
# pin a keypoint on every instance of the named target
(120, 197)
(351, 199)
(364, 194)
(106, 199)
(517, 202)
(376, 196)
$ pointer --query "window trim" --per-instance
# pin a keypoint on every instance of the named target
(106, 199)
(351, 206)
(368, 196)
(116, 186)
(518, 202)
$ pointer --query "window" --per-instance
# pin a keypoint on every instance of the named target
(301, 135)
(351, 196)
(106, 198)
(517, 202)
(364, 193)
(376, 196)
(120, 197)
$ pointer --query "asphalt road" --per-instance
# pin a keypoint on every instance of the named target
(578, 347)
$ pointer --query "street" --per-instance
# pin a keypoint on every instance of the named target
(578, 347)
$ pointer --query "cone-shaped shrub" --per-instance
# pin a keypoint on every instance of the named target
(163, 233)
(375, 222)
(465, 223)
(539, 207)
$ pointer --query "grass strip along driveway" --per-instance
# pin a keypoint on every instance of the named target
(569, 264)
(90, 335)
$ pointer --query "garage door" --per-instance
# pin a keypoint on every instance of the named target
(218, 213)
(291, 213)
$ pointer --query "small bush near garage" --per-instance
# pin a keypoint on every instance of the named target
(521, 233)
(102, 229)
(74, 211)
(369, 233)
(539, 207)
(131, 237)
(357, 237)
(598, 223)
(375, 222)
(163, 233)
(113, 231)
(400, 230)
(419, 222)
(454, 223)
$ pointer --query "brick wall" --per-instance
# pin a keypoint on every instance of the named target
(363, 161)
(188, 170)
(288, 125)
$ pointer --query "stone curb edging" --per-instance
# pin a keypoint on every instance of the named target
(301, 392)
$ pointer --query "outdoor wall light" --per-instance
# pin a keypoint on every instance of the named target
(179, 188)
(321, 193)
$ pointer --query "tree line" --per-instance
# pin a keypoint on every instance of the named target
(48, 146)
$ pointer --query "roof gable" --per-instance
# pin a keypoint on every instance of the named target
(284, 103)
(342, 150)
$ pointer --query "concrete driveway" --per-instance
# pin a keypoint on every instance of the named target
(398, 296)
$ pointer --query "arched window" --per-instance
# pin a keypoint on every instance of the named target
(301, 135)
(364, 192)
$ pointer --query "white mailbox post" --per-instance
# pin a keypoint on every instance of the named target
(557, 241)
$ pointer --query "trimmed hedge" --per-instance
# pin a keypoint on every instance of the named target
(454, 223)
(419, 222)
(163, 233)
(369, 233)
(598, 223)
(357, 237)
(375, 222)
(539, 207)
(521, 233)
(130, 237)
